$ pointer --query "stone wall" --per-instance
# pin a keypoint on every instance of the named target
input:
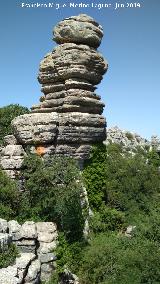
(11, 156)
(36, 243)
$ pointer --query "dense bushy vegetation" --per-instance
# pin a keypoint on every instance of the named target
(126, 183)
(123, 189)
(8, 257)
(53, 193)
(7, 114)
(115, 259)
(9, 197)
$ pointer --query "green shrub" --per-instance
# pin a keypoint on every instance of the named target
(123, 190)
(113, 259)
(7, 114)
(132, 184)
(121, 181)
(69, 255)
(55, 278)
(9, 197)
(53, 193)
(154, 158)
(94, 175)
(107, 219)
(8, 257)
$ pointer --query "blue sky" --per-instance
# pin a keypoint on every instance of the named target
(131, 44)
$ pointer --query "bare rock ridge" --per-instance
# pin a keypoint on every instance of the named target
(130, 140)
(68, 119)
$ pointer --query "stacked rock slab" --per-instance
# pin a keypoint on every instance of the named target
(68, 118)
(36, 243)
(11, 156)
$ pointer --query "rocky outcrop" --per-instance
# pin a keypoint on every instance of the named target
(36, 243)
(68, 118)
(11, 156)
(130, 140)
(155, 143)
(12, 159)
(127, 139)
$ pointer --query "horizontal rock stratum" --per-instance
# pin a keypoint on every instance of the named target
(68, 118)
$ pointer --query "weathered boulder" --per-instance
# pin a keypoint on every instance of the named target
(10, 140)
(22, 263)
(24, 260)
(28, 230)
(33, 273)
(11, 158)
(79, 29)
(14, 229)
(47, 257)
(45, 248)
(9, 275)
(68, 277)
(46, 231)
(35, 128)
(155, 143)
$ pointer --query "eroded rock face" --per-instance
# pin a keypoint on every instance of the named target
(68, 119)
(59, 127)
(131, 140)
(11, 159)
(70, 60)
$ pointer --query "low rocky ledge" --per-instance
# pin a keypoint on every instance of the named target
(36, 243)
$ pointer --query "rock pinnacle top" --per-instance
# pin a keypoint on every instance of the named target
(78, 29)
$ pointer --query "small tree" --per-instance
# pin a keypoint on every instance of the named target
(154, 158)
(53, 193)
(9, 197)
(7, 114)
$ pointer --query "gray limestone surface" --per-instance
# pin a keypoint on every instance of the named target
(36, 243)
(68, 118)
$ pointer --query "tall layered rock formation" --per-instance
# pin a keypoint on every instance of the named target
(68, 119)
